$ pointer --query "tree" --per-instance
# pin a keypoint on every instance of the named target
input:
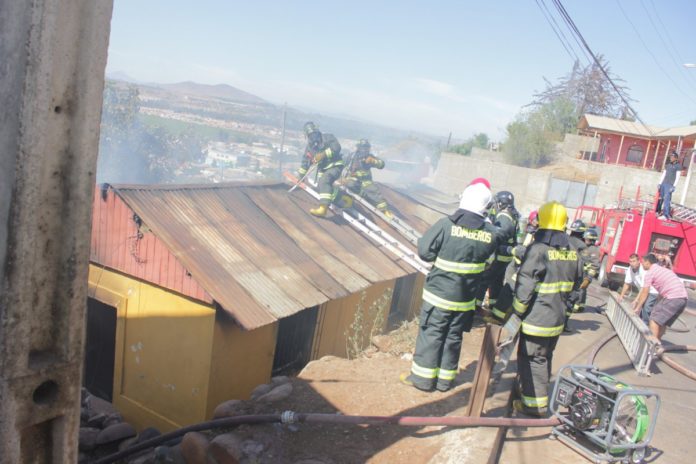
(589, 90)
(479, 140)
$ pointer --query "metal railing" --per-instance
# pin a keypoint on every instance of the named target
(635, 336)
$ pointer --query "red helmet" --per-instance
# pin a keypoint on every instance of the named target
(481, 180)
(533, 217)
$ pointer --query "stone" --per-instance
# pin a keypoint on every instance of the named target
(309, 461)
(98, 405)
(252, 449)
(115, 432)
(278, 393)
(226, 449)
(280, 380)
(228, 409)
(163, 455)
(261, 390)
(382, 342)
(127, 443)
(88, 438)
(194, 447)
(97, 420)
(148, 434)
(112, 419)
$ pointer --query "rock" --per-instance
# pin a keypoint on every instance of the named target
(115, 432)
(194, 447)
(261, 390)
(407, 357)
(112, 419)
(278, 393)
(228, 409)
(382, 342)
(88, 438)
(127, 443)
(148, 434)
(280, 380)
(163, 455)
(100, 406)
(252, 449)
(97, 420)
(177, 455)
(226, 449)
(309, 461)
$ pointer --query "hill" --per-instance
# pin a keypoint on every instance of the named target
(220, 91)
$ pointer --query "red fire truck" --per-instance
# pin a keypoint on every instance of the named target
(633, 227)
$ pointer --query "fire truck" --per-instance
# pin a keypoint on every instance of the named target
(633, 226)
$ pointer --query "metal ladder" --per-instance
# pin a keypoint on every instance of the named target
(369, 228)
(683, 213)
(635, 336)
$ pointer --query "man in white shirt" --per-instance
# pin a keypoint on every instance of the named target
(634, 277)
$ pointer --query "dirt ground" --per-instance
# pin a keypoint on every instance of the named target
(368, 385)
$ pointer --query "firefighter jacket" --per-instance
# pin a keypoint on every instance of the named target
(576, 243)
(333, 158)
(551, 270)
(458, 246)
(359, 167)
(590, 261)
(506, 221)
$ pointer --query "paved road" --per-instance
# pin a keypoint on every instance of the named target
(674, 440)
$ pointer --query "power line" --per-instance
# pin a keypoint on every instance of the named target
(669, 39)
(557, 30)
(652, 55)
(571, 24)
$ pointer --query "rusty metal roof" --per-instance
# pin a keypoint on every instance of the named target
(258, 252)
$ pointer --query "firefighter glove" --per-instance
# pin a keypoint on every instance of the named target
(371, 160)
(319, 156)
(585, 283)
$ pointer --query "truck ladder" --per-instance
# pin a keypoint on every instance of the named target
(369, 228)
(683, 213)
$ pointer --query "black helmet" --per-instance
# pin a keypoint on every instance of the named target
(310, 127)
(578, 226)
(364, 145)
(505, 199)
(590, 234)
(314, 138)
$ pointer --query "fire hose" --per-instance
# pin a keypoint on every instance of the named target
(289, 417)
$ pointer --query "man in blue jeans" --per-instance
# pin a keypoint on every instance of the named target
(668, 183)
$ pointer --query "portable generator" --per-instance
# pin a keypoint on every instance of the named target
(602, 418)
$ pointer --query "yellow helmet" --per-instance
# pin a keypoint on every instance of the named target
(553, 216)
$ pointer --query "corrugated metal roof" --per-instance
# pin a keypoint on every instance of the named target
(258, 252)
(591, 121)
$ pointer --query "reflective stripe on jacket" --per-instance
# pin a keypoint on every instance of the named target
(544, 282)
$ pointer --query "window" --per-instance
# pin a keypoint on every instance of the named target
(635, 154)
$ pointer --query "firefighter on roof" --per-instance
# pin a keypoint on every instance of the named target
(550, 271)
(458, 246)
(324, 151)
(506, 217)
(358, 178)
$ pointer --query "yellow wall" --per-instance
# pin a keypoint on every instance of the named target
(163, 351)
(241, 361)
(337, 316)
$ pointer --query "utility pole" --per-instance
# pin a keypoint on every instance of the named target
(687, 181)
(282, 140)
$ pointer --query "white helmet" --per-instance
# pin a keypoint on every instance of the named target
(476, 198)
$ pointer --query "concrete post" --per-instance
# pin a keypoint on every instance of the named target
(51, 83)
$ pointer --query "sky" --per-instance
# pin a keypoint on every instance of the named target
(432, 66)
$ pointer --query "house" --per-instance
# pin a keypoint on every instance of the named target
(634, 144)
(199, 293)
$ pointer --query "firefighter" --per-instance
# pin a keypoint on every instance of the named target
(576, 230)
(550, 271)
(503, 304)
(324, 151)
(358, 178)
(458, 246)
(506, 217)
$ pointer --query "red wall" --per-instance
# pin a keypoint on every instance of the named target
(115, 244)
(655, 154)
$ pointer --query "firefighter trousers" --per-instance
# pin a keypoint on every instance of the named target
(369, 192)
(492, 281)
(438, 346)
(327, 191)
(534, 355)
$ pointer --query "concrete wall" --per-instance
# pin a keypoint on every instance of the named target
(53, 55)
(530, 186)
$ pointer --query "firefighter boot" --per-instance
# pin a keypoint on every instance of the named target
(320, 211)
